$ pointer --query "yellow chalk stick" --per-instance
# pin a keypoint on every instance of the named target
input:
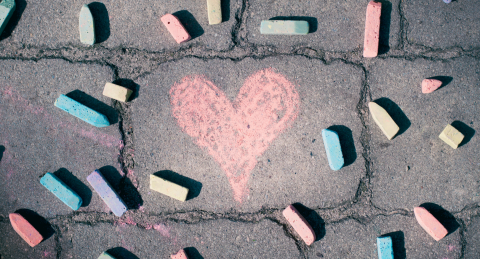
(451, 136)
(214, 11)
(383, 120)
(168, 188)
(117, 92)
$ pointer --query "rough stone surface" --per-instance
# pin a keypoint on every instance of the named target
(14, 247)
(472, 234)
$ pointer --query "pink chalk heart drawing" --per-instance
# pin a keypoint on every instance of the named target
(235, 133)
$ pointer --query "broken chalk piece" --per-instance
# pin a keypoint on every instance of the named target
(168, 188)
(86, 26)
(331, 141)
(105, 255)
(117, 92)
(7, 8)
(383, 120)
(106, 192)
(284, 27)
(214, 11)
(385, 247)
(81, 111)
(179, 255)
(175, 27)
(451, 136)
(430, 85)
(301, 226)
(25, 229)
(430, 223)
(61, 190)
(372, 29)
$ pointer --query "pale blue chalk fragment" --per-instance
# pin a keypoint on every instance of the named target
(284, 27)
(61, 190)
(106, 192)
(81, 111)
(7, 7)
(333, 149)
(105, 255)
(385, 248)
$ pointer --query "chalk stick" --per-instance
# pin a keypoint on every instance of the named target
(430, 85)
(81, 111)
(106, 255)
(86, 26)
(25, 229)
(331, 141)
(117, 92)
(383, 120)
(179, 255)
(7, 8)
(61, 190)
(385, 248)
(175, 27)
(284, 27)
(430, 223)
(372, 29)
(214, 8)
(168, 188)
(300, 224)
(451, 136)
(106, 192)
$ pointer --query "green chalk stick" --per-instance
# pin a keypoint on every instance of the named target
(284, 27)
(7, 7)
(85, 24)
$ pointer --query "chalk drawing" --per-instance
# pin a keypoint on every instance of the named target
(235, 133)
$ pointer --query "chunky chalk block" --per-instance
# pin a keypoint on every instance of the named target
(372, 29)
(168, 188)
(430, 85)
(106, 192)
(61, 190)
(117, 92)
(81, 111)
(180, 255)
(175, 27)
(284, 27)
(25, 229)
(451, 136)
(383, 120)
(86, 26)
(385, 248)
(214, 11)
(301, 226)
(7, 7)
(105, 255)
(430, 223)
(333, 149)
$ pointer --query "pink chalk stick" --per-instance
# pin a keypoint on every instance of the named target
(180, 255)
(372, 29)
(430, 85)
(298, 222)
(175, 27)
(430, 223)
(25, 229)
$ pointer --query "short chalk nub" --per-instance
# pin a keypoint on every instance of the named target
(300, 224)
(331, 141)
(451, 136)
(214, 11)
(430, 85)
(179, 255)
(61, 190)
(168, 188)
(7, 8)
(385, 248)
(383, 120)
(175, 27)
(117, 92)
(25, 229)
(430, 223)
(81, 111)
(372, 29)
(86, 26)
(106, 255)
(284, 27)
(106, 192)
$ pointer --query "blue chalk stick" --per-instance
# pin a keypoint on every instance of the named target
(333, 148)
(106, 192)
(61, 190)
(385, 248)
(81, 111)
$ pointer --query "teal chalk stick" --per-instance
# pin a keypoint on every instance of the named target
(333, 149)
(7, 7)
(81, 111)
(86, 26)
(385, 248)
(284, 27)
(105, 255)
(61, 190)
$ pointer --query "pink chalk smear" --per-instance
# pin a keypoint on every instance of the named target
(235, 134)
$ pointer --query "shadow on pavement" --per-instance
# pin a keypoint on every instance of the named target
(194, 187)
(225, 10)
(396, 113)
(94, 104)
(190, 23)
(445, 80)
(38, 222)
(101, 21)
(443, 216)
(192, 253)
(312, 217)
(75, 184)
(121, 253)
(20, 6)
(312, 21)
(398, 243)
(2, 149)
(123, 186)
(385, 20)
(129, 84)
(346, 142)
(465, 130)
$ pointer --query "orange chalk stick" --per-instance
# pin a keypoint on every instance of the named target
(180, 255)
(25, 229)
(175, 27)
(430, 223)
(301, 226)
(372, 29)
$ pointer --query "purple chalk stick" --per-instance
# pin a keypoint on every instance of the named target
(106, 192)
